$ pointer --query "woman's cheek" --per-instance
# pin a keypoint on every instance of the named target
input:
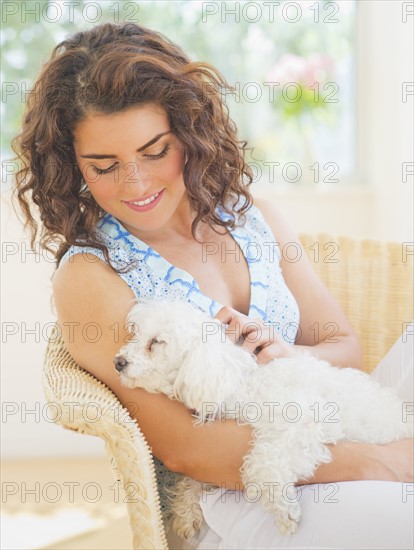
(175, 168)
(101, 193)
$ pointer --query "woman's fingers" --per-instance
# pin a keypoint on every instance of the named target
(254, 336)
(225, 314)
(276, 349)
(241, 326)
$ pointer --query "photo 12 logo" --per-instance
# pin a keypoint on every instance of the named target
(252, 12)
(69, 11)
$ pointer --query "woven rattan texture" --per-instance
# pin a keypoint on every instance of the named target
(373, 282)
(65, 383)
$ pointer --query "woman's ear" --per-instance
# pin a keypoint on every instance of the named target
(210, 376)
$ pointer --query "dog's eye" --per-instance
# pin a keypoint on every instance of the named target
(154, 341)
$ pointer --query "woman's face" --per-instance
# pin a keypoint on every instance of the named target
(130, 157)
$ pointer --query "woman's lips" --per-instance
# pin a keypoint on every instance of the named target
(146, 207)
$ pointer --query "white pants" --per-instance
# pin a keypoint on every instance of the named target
(345, 515)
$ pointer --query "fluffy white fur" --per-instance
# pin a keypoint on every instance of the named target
(295, 405)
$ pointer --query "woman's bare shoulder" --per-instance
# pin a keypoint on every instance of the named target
(85, 272)
(282, 230)
(305, 285)
(87, 292)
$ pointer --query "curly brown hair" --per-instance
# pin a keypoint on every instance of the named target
(108, 69)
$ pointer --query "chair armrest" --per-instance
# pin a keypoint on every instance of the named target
(73, 391)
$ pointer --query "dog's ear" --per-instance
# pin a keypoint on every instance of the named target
(210, 375)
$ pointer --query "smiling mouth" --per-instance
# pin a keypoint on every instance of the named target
(146, 204)
(146, 201)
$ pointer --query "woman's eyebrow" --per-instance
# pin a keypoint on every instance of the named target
(150, 142)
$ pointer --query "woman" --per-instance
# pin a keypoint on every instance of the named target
(135, 166)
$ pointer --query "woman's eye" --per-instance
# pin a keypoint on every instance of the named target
(159, 155)
(101, 171)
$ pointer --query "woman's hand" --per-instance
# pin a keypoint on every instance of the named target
(265, 344)
(396, 460)
(254, 335)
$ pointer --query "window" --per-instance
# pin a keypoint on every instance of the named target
(292, 65)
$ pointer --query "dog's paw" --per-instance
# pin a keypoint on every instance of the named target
(288, 519)
(187, 528)
(288, 526)
(188, 522)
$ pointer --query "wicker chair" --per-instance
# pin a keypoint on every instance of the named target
(372, 281)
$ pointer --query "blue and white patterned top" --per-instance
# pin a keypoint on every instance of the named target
(154, 277)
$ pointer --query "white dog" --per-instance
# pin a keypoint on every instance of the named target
(296, 405)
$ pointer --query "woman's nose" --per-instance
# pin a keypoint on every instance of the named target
(135, 174)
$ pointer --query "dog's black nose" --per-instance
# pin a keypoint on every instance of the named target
(120, 363)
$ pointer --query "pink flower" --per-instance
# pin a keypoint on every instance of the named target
(302, 70)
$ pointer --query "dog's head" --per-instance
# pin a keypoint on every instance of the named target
(163, 334)
(180, 351)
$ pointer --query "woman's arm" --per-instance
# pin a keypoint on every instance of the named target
(219, 455)
(323, 328)
(356, 461)
(88, 291)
